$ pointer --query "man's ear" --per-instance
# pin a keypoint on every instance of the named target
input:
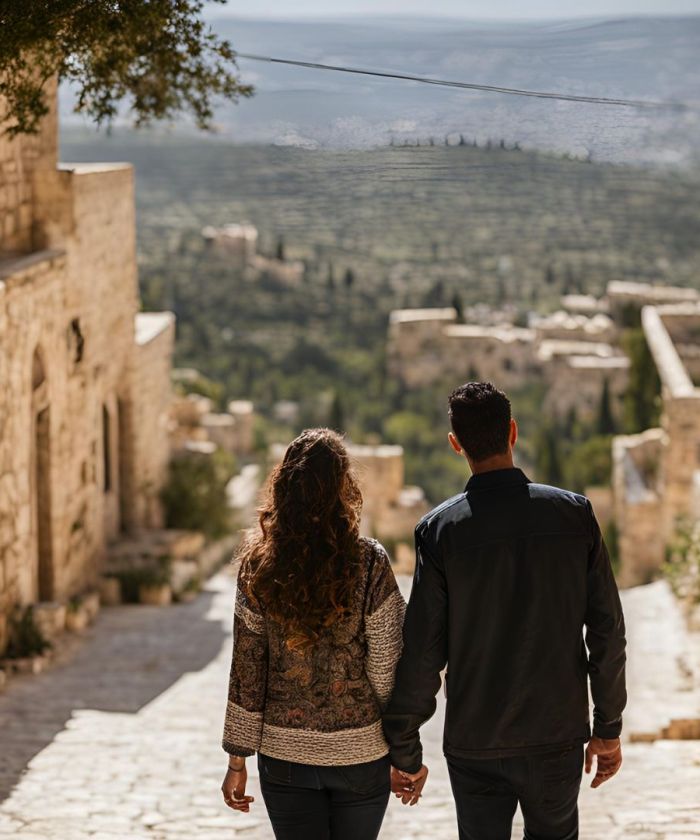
(455, 444)
(513, 433)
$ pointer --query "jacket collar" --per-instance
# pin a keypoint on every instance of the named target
(496, 478)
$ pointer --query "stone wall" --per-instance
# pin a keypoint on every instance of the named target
(624, 296)
(194, 420)
(416, 346)
(32, 344)
(236, 242)
(637, 493)
(656, 475)
(503, 355)
(151, 396)
(571, 353)
(576, 383)
(567, 326)
(681, 409)
(390, 510)
(20, 158)
(81, 451)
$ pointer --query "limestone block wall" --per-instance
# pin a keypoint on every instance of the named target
(577, 382)
(243, 412)
(502, 355)
(638, 504)
(681, 457)
(622, 294)
(681, 407)
(32, 352)
(380, 471)
(83, 444)
(568, 326)
(237, 242)
(90, 209)
(416, 346)
(19, 159)
(150, 395)
(390, 510)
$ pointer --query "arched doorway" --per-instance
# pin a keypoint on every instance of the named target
(40, 481)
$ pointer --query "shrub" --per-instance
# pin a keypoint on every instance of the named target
(194, 496)
(130, 580)
(25, 637)
(682, 566)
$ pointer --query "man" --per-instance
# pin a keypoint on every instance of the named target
(511, 577)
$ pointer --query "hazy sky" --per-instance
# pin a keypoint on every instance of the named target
(491, 9)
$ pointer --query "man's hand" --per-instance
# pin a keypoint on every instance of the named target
(408, 787)
(609, 754)
(233, 789)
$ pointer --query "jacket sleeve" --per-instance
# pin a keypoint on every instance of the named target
(248, 676)
(384, 614)
(423, 658)
(605, 639)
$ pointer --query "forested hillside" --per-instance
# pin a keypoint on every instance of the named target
(378, 230)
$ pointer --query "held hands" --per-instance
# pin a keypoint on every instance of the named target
(408, 787)
(609, 754)
(233, 789)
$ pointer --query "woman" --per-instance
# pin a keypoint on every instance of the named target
(317, 634)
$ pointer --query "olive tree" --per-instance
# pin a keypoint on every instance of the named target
(158, 56)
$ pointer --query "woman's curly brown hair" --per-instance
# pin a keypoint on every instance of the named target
(303, 563)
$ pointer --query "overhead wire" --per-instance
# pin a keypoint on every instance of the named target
(426, 80)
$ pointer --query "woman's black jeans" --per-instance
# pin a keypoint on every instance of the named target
(308, 802)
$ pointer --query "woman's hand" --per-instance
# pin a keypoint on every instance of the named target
(233, 789)
(408, 787)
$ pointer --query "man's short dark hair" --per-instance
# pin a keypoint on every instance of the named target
(480, 418)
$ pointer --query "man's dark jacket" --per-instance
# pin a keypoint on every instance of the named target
(509, 576)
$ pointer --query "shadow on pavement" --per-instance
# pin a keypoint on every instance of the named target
(127, 658)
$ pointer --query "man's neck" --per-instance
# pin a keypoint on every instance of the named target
(497, 462)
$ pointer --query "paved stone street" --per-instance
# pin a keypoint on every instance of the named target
(121, 739)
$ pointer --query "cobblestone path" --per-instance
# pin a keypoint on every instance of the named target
(121, 739)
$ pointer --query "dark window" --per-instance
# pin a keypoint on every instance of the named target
(106, 450)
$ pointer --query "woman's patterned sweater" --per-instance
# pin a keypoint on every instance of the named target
(323, 705)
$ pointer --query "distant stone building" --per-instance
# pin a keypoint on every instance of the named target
(656, 474)
(570, 353)
(390, 509)
(193, 420)
(625, 299)
(85, 376)
(238, 243)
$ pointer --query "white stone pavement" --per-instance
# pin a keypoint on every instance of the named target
(121, 740)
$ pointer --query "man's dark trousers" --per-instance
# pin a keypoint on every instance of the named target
(487, 792)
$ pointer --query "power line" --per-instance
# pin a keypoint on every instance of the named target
(539, 94)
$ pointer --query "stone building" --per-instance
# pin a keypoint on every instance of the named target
(576, 373)
(625, 298)
(193, 420)
(570, 353)
(390, 508)
(656, 474)
(238, 243)
(85, 376)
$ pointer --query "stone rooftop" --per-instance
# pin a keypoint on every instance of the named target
(504, 333)
(651, 293)
(149, 325)
(401, 316)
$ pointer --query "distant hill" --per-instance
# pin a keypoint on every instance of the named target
(644, 58)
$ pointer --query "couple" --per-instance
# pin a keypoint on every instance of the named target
(513, 598)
